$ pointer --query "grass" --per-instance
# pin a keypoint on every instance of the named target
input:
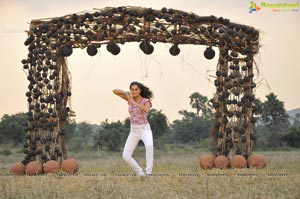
(176, 175)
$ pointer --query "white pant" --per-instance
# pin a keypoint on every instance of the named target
(139, 132)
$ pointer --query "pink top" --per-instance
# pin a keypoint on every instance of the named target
(138, 116)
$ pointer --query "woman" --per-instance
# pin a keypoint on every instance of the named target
(139, 105)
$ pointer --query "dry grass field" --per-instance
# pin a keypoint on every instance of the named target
(176, 175)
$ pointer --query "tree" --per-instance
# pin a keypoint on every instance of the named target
(200, 103)
(70, 128)
(273, 124)
(258, 106)
(160, 128)
(258, 110)
(293, 137)
(82, 137)
(274, 115)
(12, 128)
(111, 136)
(194, 126)
(158, 122)
(296, 120)
(190, 128)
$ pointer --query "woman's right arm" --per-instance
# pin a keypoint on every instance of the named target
(121, 94)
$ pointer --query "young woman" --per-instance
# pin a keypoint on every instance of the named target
(139, 105)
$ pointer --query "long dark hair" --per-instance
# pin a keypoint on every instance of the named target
(145, 91)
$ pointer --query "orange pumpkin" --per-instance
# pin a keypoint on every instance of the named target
(51, 166)
(257, 161)
(69, 166)
(238, 161)
(207, 161)
(34, 168)
(17, 168)
(76, 163)
(221, 162)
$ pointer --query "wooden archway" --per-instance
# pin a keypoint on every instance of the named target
(50, 41)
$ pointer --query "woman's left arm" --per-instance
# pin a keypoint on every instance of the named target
(145, 107)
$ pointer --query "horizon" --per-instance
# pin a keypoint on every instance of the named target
(122, 120)
(93, 78)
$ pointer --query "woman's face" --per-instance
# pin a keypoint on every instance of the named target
(135, 90)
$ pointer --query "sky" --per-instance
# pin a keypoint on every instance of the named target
(172, 79)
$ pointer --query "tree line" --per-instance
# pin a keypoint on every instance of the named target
(273, 129)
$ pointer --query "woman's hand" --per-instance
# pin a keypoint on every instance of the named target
(130, 99)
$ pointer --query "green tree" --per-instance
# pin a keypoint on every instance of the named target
(200, 103)
(82, 137)
(292, 137)
(194, 126)
(274, 114)
(111, 136)
(191, 128)
(12, 128)
(273, 124)
(296, 120)
(258, 110)
(70, 128)
(158, 122)
(160, 128)
(258, 106)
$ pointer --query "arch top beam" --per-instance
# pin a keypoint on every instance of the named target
(134, 24)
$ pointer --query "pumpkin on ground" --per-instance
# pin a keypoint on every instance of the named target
(51, 166)
(34, 168)
(221, 162)
(69, 166)
(257, 161)
(238, 161)
(17, 168)
(207, 161)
